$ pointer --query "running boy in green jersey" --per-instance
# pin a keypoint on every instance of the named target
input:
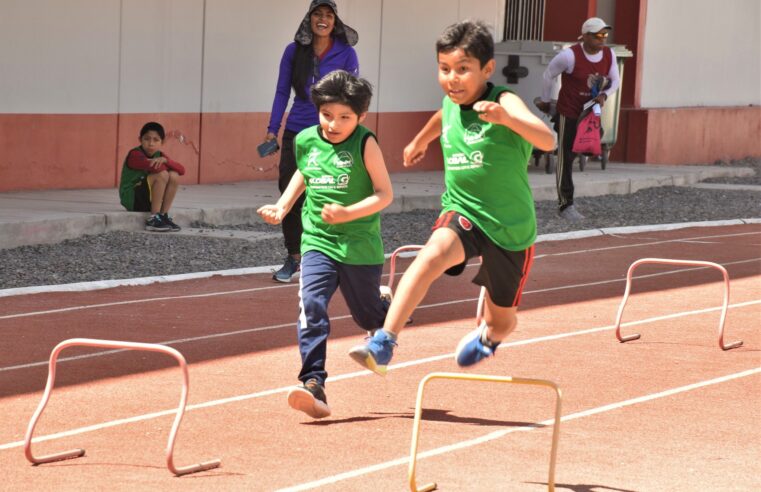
(486, 135)
(341, 169)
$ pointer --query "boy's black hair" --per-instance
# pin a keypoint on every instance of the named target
(473, 37)
(339, 86)
(153, 126)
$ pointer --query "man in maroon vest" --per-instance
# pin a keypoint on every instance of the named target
(582, 67)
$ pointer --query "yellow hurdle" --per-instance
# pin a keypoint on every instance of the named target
(491, 379)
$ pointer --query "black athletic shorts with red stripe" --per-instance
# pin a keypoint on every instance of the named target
(502, 272)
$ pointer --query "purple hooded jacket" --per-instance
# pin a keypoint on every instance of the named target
(303, 114)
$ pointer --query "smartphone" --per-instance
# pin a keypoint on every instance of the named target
(267, 148)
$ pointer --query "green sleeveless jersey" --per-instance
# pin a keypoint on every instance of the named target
(485, 175)
(129, 180)
(335, 173)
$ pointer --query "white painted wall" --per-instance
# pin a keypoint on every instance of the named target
(702, 53)
(490, 11)
(161, 56)
(367, 18)
(408, 54)
(59, 56)
(408, 47)
(108, 56)
(243, 45)
(148, 56)
(606, 10)
(245, 40)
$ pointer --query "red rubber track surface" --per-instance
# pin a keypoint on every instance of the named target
(670, 411)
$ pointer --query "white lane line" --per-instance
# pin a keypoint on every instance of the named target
(140, 301)
(130, 282)
(649, 275)
(352, 375)
(501, 433)
(291, 324)
(652, 243)
(258, 289)
(273, 287)
(628, 230)
(588, 331)
(108, 284)
(287, 325)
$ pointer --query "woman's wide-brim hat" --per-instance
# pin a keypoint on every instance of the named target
(345, 33)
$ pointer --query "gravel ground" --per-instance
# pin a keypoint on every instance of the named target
(747, 162)
(112, 255)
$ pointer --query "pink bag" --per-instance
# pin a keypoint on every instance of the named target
(587, 139)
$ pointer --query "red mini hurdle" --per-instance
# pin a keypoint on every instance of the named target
(76, 453)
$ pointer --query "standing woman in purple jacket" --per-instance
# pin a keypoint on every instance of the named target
(322, 44)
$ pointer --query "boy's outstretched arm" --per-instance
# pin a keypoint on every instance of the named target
(173, 165)
(415, 150)
(273, 214)
(139, 161)
(513, 113)
(333, 213)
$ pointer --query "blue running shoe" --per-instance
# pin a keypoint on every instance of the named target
(376, 354)
(471, 350)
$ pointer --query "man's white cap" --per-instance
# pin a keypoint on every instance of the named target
(593, 25)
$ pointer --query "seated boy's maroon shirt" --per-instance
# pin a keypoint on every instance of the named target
(136, 159)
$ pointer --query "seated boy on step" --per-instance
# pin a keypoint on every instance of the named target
(150, 180)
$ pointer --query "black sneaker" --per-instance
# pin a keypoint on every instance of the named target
(156, 224)
(289, 268)
(310, 399)
(168, 220)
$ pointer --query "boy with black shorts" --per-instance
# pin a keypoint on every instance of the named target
(486, 135)
(342, 172)
(150, 180)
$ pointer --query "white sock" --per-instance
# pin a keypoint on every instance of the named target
(390, 335)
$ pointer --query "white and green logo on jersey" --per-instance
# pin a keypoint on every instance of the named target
(474, 133)
(328, 182)
(445, 136)
(343, 159)
(461, 161)
(312, 158)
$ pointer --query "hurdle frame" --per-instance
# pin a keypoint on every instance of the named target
(392, 261)
(417, 247)
(483, 378)
(114, 344)
(667, 261)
